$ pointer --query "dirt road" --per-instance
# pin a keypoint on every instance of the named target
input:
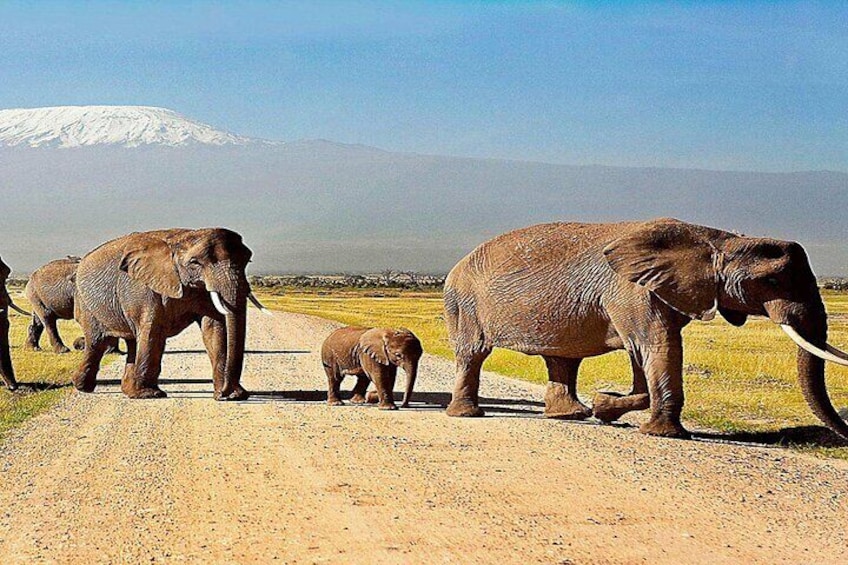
(284, 477)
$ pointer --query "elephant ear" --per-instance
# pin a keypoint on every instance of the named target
(374, 343)
(150, 261)
(673, 261)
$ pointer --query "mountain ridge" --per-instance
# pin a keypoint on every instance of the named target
(126, 126)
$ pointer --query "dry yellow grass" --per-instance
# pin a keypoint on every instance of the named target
(737, 379)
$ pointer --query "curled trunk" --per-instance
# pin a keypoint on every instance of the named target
(811, 375)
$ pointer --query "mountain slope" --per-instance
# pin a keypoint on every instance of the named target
(324, 206)
(127, 126)
(318, 207)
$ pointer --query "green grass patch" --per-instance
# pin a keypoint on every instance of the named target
(43, 375)
(736, 379)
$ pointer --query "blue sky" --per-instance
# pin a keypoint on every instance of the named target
(719, 85)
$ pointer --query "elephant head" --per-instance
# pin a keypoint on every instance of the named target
(397, 347)
(698, 271)
(7, 372)
(207, 260)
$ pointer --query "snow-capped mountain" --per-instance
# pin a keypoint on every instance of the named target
(127, 126)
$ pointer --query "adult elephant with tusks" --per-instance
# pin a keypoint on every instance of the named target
(7, 371)
(148, 286)
(567, 291)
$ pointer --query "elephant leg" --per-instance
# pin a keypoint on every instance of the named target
(129, 366)
(143, 380)
(385, 384)
(371, 397)
(664, 372)
(112, 346)
(608, 407)
(334, 384)
(7, 371)
(53, 333)
(561, 396)
(85, 378)
(215, 339)
(362, 382)
(466, 400)
(34, 331)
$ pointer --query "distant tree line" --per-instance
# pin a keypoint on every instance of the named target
(409, 280)
(834, 283)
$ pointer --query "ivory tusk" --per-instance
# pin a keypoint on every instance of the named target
(219, 304)
(19, 310)
(258, 304)
(809, 347)
(836, 352)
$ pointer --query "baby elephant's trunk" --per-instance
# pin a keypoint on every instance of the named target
(411, 370)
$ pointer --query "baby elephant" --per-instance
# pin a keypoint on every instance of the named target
(371, 354)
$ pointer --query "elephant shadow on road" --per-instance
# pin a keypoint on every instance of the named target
(420, 401)
(813, 436)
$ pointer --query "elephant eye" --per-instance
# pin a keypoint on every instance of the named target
(773, 281)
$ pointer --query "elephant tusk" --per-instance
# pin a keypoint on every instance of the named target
(259, 305)
(19, 310)
(839, 353)
(219, 304)
(809, 347)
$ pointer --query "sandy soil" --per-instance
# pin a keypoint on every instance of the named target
(104, 479)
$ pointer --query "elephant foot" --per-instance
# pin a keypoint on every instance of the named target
(145, 393)
(12, 386)
(358, 399)
(560, 405)
(404, 404)
(83, 384)
(388, 406)
(664, 426)
(237, 394)
(61, 350)
(79, 343)
(335, 402)
(608, 407)
(372, 397)
(32, 347)
(464, 409)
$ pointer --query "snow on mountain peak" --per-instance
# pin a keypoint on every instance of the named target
(126, 126)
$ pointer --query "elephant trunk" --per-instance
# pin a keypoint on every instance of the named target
(7, 372)
(810, 325)
(229, 288)
(411, 370)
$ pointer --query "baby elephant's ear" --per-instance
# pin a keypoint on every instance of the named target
(672, 260)
(374, 343)
(149, 260)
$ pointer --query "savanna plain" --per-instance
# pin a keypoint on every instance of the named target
(101, 478)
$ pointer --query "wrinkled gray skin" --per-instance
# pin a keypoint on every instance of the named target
(7, 372)
(371, 355)
(50, 291)
(146, 287)
(570, 291)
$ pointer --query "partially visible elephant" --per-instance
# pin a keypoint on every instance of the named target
(570, 291)
(148, 286)
(7, 371)
(371, 355)
(50, 290)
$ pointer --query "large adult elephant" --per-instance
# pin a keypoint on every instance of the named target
(148, 286)
(569, 291)
(7, 371)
